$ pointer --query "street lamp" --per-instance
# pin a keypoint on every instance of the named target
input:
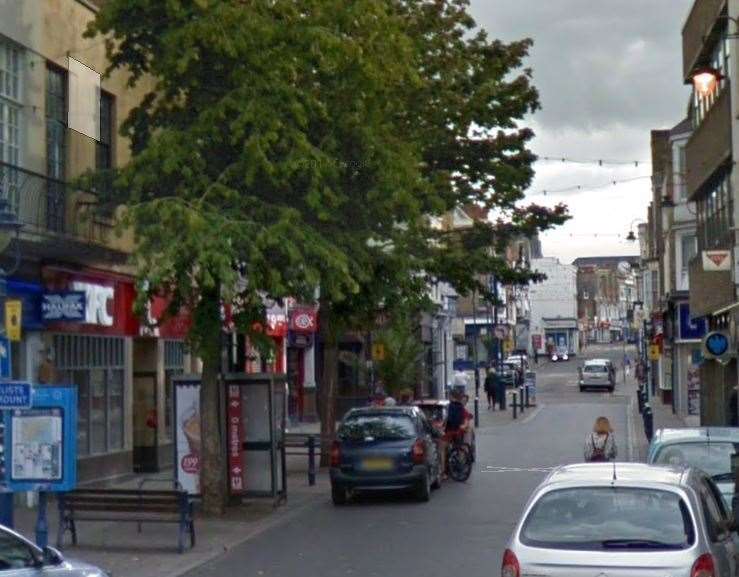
(631, 237)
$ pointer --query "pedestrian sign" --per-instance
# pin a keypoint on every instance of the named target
(13, 311)
(378, 352)
(654, 353)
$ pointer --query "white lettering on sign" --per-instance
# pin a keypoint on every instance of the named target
(97, 297)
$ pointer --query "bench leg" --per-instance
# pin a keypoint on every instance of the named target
(60, 533)
(73, 528)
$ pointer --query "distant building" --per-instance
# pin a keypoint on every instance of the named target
(554, 306)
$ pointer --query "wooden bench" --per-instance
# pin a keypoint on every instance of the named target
(122, 505)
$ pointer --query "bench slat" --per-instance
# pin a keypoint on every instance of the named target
(124, 492)
(151, 500)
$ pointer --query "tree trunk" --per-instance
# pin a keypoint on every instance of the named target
(213, 462)
(329, 382)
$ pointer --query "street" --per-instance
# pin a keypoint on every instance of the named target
(463, 530)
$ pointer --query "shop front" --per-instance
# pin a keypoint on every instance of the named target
(301, 377)
(687, 359)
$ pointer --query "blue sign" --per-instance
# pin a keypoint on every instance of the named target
(69, 306)
(5, 365)
(691, 329)
(30, 296)
(41, 442)
(15, 395)
(717, 344)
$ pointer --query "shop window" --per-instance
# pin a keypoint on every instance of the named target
(714, 214)
(174, 365)
(95, 366)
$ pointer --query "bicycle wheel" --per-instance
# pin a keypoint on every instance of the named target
(460, 464)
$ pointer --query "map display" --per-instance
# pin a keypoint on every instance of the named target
(37, 445)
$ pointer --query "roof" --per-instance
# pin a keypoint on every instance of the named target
(683, 127)
(628, 472)
(606, 261)
(696, 434)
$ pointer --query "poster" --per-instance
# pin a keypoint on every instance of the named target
(235, 441)
(37, 445)
(694, 384)
(187, 421)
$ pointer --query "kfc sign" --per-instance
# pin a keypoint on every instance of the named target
(97, 298)
(303, 320)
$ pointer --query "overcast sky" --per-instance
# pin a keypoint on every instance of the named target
(608, 73)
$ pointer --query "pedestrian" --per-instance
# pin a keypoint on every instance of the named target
(600, 444)
(490, 386)
(519, 376)
(536, 357)
(627, 365)
(406, 398)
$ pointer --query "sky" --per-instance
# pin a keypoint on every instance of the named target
(608, 72)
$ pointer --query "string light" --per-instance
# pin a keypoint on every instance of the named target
(597, 162)
(580, 187)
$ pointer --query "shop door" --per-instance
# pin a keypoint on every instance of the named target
(145, 458)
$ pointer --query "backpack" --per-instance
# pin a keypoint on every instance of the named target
(455, 417)
(599, 453)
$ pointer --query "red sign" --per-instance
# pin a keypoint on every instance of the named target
(164, 325)
(235, 436)
(536, 342)
(191, 463)
(303, 320)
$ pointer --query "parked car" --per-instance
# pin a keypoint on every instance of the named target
(19, 557)
(627, 519)
(707, 448)
(611, 368)
(508, 373)
(596, 374)
(385, 448)
(436, 411)
(517, 361)
(560, 354)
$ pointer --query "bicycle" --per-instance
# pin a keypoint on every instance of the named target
(459, 459)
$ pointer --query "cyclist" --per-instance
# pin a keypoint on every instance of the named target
(455, 425)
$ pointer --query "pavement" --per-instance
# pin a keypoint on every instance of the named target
(462, 531)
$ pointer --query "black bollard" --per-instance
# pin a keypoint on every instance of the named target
(640, 398)
(648, 422)
(520, 392)
(526, 390)
(515, 406)
(311, 460)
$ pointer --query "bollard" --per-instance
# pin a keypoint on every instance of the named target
(311, 460)
(648, 422)
(520, 392)
(526, 390)
(515, 406)
(640, 399)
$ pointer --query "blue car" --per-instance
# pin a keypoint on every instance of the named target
(380, 448)
(706, 448)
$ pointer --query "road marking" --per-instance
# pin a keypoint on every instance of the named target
(494, 469)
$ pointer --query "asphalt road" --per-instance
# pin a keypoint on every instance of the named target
(464, 529)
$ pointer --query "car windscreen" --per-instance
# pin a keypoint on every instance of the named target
(714, 458)
(609, 518)
(377, 426)
(595, 369)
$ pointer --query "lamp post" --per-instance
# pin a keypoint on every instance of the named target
(631, 237)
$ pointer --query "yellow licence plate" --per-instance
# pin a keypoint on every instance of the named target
(377, 465)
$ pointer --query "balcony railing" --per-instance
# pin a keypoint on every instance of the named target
(49, 207)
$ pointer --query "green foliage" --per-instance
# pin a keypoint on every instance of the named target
(403, 352)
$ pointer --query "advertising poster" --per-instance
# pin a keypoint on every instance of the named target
(694, 384)
(187, 421)
(37, 445)
(235, 440)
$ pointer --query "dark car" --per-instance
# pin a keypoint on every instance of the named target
(508, 374)
(381, 448)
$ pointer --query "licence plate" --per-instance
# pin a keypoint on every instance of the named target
(377, 465)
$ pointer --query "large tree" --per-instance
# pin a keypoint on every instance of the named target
(286, 145)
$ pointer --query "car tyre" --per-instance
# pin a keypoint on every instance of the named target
(423, 490)
(339, 495)
(611, 389)
(582, 389)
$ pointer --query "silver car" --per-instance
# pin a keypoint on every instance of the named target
(623, 520)
(21, 558)
(595, 374)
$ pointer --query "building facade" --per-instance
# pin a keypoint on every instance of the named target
(554, 321)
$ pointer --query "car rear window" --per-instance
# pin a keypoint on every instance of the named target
(377, 427)
(712, 457)
(609, 518)
(595, 369)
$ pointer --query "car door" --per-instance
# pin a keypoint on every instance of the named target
(17, 557)
(718, 527)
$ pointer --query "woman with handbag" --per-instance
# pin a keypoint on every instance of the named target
(600, 445)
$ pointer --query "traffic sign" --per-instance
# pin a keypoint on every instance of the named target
(15, 395)
(654, 353)
(716, 345)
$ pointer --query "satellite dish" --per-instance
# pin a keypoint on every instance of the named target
(624, 267)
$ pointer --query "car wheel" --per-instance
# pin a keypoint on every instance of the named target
(338, 495)
(582, 389)
(423, 491)
(437, 479)
(611, 389)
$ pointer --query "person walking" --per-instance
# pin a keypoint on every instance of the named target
(536, 357)
(600, 444)
(490, 386)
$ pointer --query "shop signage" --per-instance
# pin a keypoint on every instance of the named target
(654, 352)
(5, 364)
(97, 298)
(716, 346)
(536, 342)
(41, 441)
(235, 441)
(690, 329)
(716, 260)
(13, 316)
(15, 395)
(303, 320)
(378, 352)
(64, 306)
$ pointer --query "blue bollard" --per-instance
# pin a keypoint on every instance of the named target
(6, 508)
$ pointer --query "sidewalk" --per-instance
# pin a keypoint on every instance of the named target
(123, 552)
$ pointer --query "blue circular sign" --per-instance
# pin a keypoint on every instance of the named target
(717, 344)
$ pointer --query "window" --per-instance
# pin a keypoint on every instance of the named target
(681, 171)
(95, 366)
(104, 148)
(14, 553)
(11, 100)
(174, 364)
(689, 249)
(714, 513)
(56, 146)
(720, 61)
(649, 518)
(714, 214)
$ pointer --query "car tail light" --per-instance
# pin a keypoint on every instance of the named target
(704, 567)
(510, 568)
(335, 454)
(418, 452)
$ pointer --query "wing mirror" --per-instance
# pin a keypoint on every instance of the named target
(52, 556)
